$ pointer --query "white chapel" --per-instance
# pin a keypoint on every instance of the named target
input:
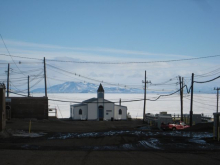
(98, 109)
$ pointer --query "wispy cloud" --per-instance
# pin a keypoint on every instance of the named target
(119, 52)
(122, 74)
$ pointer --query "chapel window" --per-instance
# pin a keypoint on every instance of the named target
(119, 111)
(80, 112)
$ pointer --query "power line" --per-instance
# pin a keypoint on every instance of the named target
(201, 106)
(18, 90)
(144, 62)
(202, 103)
(165, 83)
(209, 72)
(135, 100)
(75, 74)
(31, 58)
(113, 84)
(28, 71)
(207, 80)
(18, 94)
(23, 62)
(137, 62)
(36, 83)
(10, 54)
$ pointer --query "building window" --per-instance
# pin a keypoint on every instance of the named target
(80, 112)
(119, 111)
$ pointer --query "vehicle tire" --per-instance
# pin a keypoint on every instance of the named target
(174, 129)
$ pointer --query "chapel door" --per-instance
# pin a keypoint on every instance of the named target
(101, 113)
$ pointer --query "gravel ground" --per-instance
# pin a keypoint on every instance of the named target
(92, 142)
(33, 157)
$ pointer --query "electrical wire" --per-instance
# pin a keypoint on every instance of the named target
(139, 62)
(92, 79)
(31, 58)
(207, 80)
(122, 101)
(202, 103)
(208, 73)
(10, 54)
(143, 62)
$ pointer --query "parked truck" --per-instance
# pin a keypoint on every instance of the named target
(175, 126)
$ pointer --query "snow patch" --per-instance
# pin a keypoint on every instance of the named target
(151, 144)
(198, 141)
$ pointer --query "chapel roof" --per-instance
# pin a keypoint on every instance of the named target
(95, 99)
(90, 100)
(79, 105)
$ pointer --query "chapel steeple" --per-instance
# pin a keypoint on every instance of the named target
(100, 92)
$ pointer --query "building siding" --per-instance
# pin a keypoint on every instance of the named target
(92, 111)
(123, 116)
(108, 111)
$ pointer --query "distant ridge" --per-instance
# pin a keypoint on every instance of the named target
(79, 87)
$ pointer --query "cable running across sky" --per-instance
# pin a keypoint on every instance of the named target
(116, 63)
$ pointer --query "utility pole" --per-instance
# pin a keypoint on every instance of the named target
(145, 88)
(28, 87)
(181, 97)
(120, 101)
(145, 94)
(191, 105)
(45, 77)
(217, 112)
(8, 80)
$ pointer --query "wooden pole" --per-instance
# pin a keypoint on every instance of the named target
(217, 118)
(45, 77)
(28, 87)
(191, 105)
(145, 82)
(8, 81)
(182, 101)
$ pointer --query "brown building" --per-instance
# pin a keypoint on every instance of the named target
(28, 107)
(2, 108)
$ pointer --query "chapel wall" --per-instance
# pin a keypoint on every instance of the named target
(123, 116)
(92, 111)
(108, 111)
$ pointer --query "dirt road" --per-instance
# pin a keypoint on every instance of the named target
(23, 157)
(91, 142)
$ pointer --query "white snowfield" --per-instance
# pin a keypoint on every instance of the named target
(203, 103)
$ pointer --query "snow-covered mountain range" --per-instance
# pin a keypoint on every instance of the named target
(79, 87)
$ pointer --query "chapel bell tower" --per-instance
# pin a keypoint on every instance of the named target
(100, 92)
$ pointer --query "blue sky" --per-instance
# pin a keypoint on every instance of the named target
(184, 27)
(115, 30)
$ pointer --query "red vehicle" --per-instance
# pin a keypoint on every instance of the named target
(176, 126)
